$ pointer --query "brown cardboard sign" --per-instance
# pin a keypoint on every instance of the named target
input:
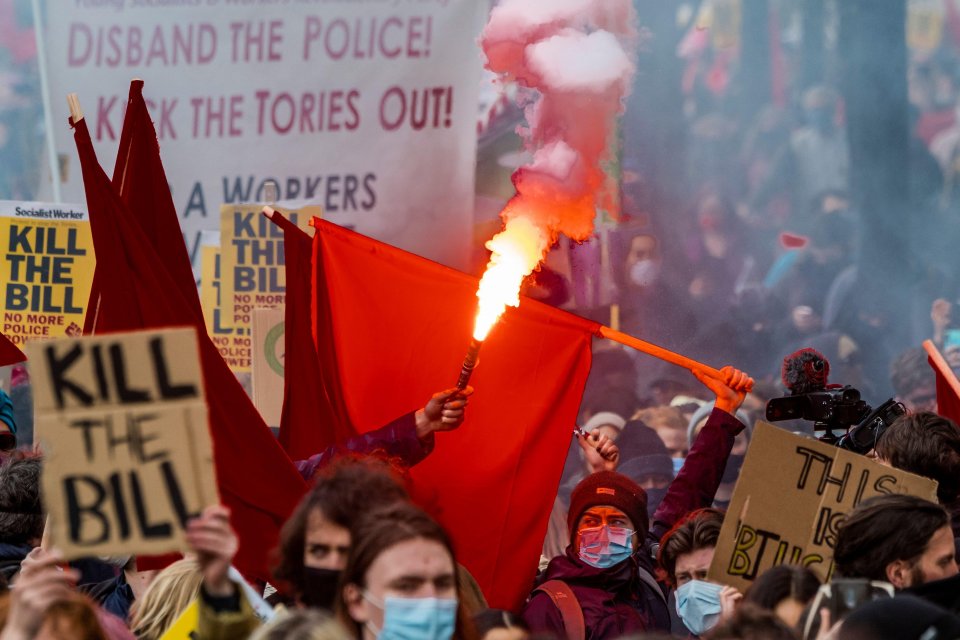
(127, 454)
(792, 496)
(268, 360)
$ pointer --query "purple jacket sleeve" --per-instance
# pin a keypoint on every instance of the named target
(397, 439)
(542, 616)
(696, 484)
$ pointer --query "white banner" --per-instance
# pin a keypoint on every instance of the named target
(365, 107)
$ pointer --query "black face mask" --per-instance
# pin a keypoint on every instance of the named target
(654, 498)
(732, 470)
(320, 588)
(8, 441)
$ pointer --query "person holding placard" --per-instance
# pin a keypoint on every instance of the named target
(686, 552)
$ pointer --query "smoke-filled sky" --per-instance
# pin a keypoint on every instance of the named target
(576, 59)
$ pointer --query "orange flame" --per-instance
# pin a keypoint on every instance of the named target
(517, 250)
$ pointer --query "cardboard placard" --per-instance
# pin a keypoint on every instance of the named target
(232, 343)
(268, 363)
(127, 453)
(252, 269)
(792, 496)
(46, 271)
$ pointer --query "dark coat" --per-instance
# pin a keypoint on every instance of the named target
(114, 596)
(397, 439)
(616, 601)
(11, 555)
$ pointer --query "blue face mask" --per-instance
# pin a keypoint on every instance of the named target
(698, 605)
(677, 464)
(416, 618)
(605, 546)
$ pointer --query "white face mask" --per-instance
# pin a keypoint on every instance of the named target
(644, 272)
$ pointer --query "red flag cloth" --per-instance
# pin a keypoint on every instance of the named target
(256, 480)
(400, 326)
(948, 387)
(9, 352)
(141, 182)
(309, 421)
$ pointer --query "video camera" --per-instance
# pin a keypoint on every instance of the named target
(830, 408)
(841, 410)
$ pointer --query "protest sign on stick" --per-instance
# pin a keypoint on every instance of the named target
(127, 454)
(792, 496)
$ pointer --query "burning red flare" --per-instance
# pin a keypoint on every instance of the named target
(575, 56)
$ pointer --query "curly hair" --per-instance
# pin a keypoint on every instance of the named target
(699, 529)
(21, 516)
(343, 491)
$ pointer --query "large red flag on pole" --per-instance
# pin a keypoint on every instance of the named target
(400, 326)
(255, 477)
(141, 182)
(312, 417)
(948, 387)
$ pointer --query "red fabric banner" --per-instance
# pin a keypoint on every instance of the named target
(256, 480)
(311, 420)
(399, 326)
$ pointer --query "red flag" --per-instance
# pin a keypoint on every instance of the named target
(9, 352)
(139, 178)
(401, 325)
(948, 387)
(255, 478)
(310, 420)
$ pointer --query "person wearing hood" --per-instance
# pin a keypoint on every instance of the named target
(603, 586)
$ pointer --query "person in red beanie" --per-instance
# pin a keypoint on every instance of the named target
(604, 585)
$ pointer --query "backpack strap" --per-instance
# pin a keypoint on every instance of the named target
(564, 599)
(649, 580)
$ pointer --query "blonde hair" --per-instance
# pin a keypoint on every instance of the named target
(170, 593)
(662, 417)
(302, 624)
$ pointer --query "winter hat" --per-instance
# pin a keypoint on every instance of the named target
(642, 452)
(705, 411)
(608, 488)
(604, 418)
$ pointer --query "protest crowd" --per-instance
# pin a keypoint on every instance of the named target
(677, 512)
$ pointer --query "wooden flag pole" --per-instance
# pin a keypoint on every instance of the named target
(76, 113)
(658, 352)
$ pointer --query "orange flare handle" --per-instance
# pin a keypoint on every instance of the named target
(659, 352)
